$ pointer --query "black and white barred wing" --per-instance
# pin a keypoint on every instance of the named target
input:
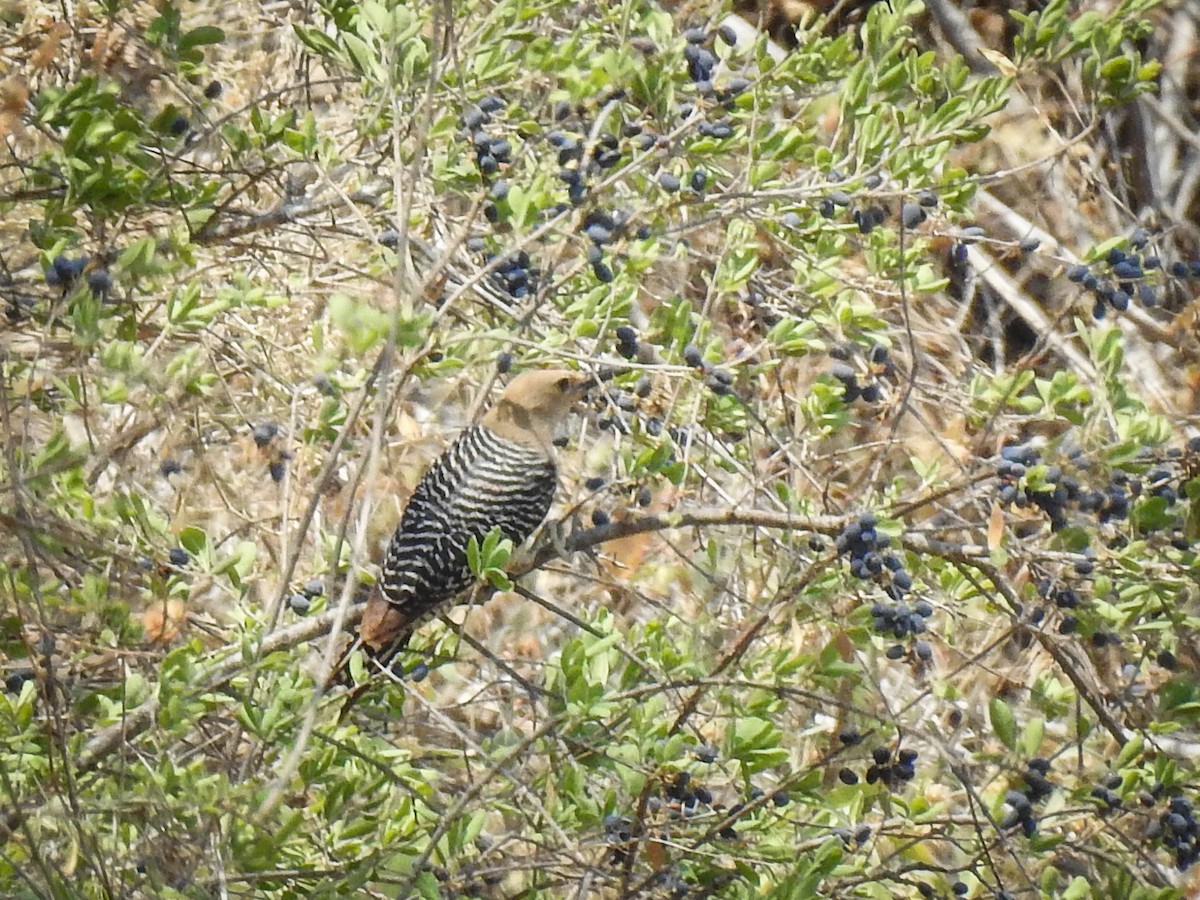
(481, 482)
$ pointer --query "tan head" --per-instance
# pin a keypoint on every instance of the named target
(535, 403)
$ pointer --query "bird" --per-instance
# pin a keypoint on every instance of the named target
(498, 473)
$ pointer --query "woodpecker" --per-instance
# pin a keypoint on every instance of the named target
(500, 472)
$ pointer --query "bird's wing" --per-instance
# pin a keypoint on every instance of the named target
(481, 482)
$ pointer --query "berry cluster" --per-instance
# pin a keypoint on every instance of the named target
(878, 365)
(861, 542)
(682, 797)
(1056, 493)
(1052, 498)
(701, 65)
(602, 228)
(1179, 832)
(868, 560)
(869, 213)
(1121, 277)
(1038, 785)
(301, 601)
(1020, 802)
(901, 620)
(515, 274)
(627, 342)
(64, 271)
(1020, 812)
(1106, 793)
(717, 380)
(606, 153)
(892, 773)
(491, 152)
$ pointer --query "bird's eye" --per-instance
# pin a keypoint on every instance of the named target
(564, 383)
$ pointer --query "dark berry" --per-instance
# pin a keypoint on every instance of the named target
(1127, 270)
(178, 557)
(849, 736)
(100, 281)
(598, 234)
(299, 604)
(912, 215)
(15, 680)
(264, 433)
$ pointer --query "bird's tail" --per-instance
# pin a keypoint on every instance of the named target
(383, 632)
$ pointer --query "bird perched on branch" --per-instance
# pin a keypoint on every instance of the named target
(501, 473)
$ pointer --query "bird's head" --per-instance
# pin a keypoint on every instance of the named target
(535, 403)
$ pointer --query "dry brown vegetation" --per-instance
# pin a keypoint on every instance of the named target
(304, 254)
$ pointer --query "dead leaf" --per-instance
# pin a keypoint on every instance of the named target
(1003, 64)
(163, 621)
(995, 532)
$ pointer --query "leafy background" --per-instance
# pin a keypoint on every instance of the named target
(873, 574)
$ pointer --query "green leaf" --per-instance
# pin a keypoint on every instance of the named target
(1003, 722)
(205, 34)
(193, 540)
(1079, 889)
